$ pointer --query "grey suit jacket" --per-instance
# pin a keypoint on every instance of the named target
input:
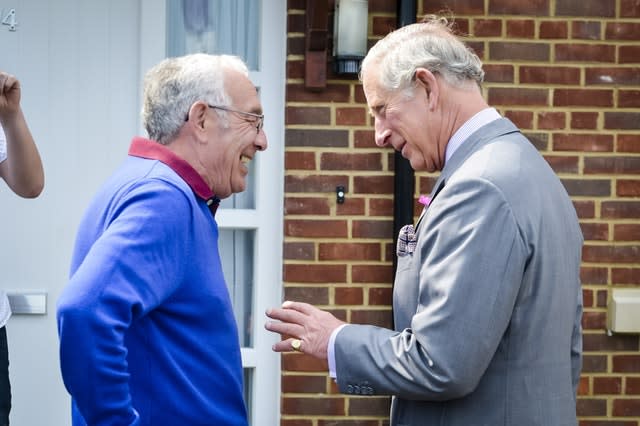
(487, 309)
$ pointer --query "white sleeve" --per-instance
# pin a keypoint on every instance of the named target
(3, 146)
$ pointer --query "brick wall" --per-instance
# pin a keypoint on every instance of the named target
(567, 72)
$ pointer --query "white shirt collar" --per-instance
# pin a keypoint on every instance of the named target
(481, 118)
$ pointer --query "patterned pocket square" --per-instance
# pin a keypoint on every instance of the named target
(406, 241)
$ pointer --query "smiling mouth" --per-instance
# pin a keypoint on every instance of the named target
(244, 159)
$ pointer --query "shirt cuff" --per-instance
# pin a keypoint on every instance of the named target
(331, 355)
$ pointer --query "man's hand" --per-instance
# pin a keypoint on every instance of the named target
(9, 93)
(304, 328)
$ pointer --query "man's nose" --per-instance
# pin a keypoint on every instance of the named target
(261, 140)
(382, 134)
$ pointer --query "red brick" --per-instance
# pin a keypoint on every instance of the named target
(593, 275)
(610, 75)
(607, 385)
(345, 422)
(585, 209)
(563, 164)
(370, 406)
(549, 120)
(349, 161)
(381, 296)
(626, 232)
(584, 120)
(380, 207)
(585, 52)
(372, 229)
(295, 69)
(583, 386)
(383, 25)
(295, 22)
(633, 385)
(299, 250)
(314, 406)
(348, 296)
(372, 274)
(381, 6)
(612, 165)
(521, 28)
(301, 362)
(316, 228)
(380, 318)
(602, 299)
(553, 30)
(610, 254)
(522, 119)
(628, 98)
(591, 407)
(587, 30)
(314, 183)
(620, 210)
(628, 143)
(626, 407)
(308, 115)
(351, 206)
(627, 363)
(335, 138)
(303, 384)
(461, 7)
(597, 8)
(616, 343)
(629, 31)
(487, 27)
(594, 320)
(297, 160)
(583, 97)
(625, 276)
(332, 93)
(628, 54)
(582, 142)
(310, 273)
(498, 73)
(306, 206)
(351, 116)
(364, 139)
(595, 231)
(594, 363)
(349, 251)
(295, 45)
(549, 75)
(629, 9)
(622, 120)
(510, 7)
(373, 184)
(307, 294)
(587, 298)
(518, 96)
(519, 51)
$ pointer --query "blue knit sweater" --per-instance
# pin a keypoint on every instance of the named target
(147, 331)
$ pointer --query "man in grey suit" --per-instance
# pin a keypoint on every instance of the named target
(487, 297)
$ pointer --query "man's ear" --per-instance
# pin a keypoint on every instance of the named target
(426, 80)
(197, 115)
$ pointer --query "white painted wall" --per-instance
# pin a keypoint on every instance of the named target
(78, 62)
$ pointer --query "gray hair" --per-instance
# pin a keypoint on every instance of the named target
(174, 84)
(429, 44)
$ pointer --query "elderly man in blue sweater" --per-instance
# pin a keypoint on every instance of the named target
(146, 326)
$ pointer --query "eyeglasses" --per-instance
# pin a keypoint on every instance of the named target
(259, 118)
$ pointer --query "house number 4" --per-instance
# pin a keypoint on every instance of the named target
(10, 20)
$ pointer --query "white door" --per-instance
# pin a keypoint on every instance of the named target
(81, 63)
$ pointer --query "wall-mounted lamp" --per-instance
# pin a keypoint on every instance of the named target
(349, 35)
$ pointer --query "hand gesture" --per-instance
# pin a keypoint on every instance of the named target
(304, 328)
(9, 93)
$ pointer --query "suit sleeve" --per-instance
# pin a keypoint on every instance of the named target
(472, 257)
(128, 271)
